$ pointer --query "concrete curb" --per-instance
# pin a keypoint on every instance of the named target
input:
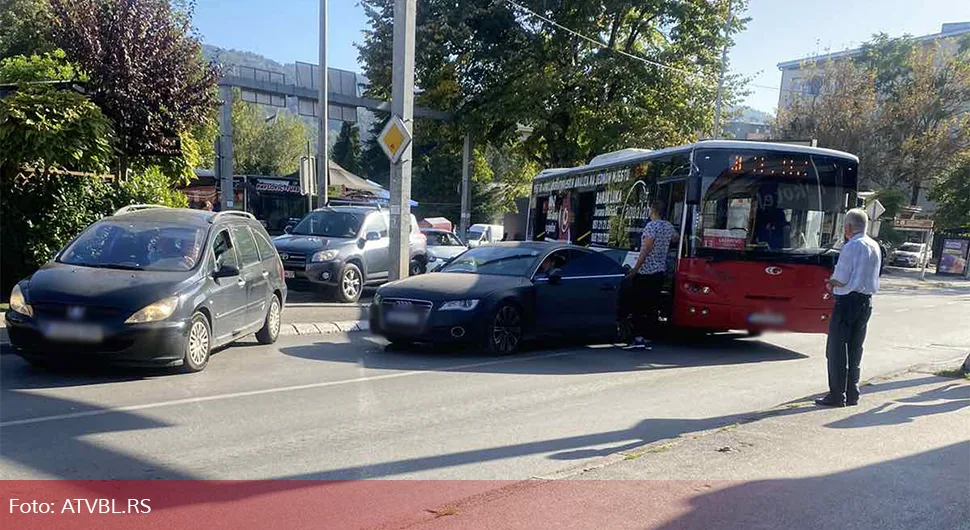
(324, 328)
(668, 443)
(313, 328)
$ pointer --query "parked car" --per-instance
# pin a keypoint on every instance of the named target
(152, 285)
(442, 247)
(483, 234)
(498, 295)
(340, 249)
(910, 255)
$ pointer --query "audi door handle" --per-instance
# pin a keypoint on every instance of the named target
(607, 287)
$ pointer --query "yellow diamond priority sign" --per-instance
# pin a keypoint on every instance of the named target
(394, 139)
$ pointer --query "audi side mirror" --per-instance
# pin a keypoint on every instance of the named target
(288, 229)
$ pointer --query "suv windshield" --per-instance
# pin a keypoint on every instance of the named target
(330, 224)
(136, 246)
(503, 261)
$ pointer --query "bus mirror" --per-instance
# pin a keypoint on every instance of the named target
(693, 190)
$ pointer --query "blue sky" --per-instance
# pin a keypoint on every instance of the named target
(780, 30)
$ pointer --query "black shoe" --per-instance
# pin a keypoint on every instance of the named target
(829, 401)
(851, 402)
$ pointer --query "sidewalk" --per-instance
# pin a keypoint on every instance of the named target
(899, 460)
(899, 279)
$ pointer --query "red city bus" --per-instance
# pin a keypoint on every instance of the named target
(760, 225)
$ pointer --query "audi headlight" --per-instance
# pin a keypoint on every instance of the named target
(459, 305)
(160, 310)
(324, 255)
(18, 303)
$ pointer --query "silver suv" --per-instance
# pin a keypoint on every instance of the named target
(340, 249)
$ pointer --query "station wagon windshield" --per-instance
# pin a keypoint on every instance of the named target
(330, 224)
(136, 246)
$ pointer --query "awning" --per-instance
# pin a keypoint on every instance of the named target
(341, 177)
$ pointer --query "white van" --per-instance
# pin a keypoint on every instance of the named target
(482, 234)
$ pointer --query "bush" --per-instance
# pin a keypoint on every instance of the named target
(41, 212)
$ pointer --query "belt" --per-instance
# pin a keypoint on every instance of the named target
(854, 294)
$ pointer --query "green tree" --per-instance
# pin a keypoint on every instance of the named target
(952, 195)
(266, 145)
(55, 142)
(346, 151)
(23, 27)
(146, 73)
(901, 106)
(497, 68)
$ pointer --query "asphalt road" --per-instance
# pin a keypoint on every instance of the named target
(312, 307)
(341, 407)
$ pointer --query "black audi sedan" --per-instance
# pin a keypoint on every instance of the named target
(151, 285)
(496, 296)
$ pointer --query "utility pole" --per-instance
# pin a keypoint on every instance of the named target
(402, 104)
(323, 143)
(466, 182)
(224, 159)
(720, 81)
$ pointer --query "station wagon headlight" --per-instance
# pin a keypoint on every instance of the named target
(160, 310)
(18, 303)
(459, 305)
(324, 255)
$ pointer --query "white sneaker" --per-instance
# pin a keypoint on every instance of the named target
(638, 343)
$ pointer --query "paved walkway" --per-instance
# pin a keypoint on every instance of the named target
(899, 460)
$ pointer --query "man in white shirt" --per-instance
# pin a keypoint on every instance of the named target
(855, 280)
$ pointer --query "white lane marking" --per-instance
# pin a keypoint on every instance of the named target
(249, 393)
(900, 310)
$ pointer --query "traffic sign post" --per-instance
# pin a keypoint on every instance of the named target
(396, 138)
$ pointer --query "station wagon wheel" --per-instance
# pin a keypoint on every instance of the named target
(351, 283)
(198, 344)
(505, 331)
(271, 325)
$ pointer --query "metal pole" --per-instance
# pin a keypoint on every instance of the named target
(402, 104)
(927, 252)
(720, 81)
(466, 181)
(225, 148)
(323, 143)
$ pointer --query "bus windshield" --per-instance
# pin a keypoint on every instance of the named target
(772, 203)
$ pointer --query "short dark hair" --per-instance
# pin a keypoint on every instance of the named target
(658, 206)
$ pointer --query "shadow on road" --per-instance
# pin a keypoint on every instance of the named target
(941, 400)
(923, 491)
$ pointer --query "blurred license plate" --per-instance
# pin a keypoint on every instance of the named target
(404, 318)
(773, 319)
(69, 331)
(289, 274)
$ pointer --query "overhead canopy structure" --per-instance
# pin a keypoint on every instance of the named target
(341, 177)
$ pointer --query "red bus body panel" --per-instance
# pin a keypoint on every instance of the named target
(751, 295)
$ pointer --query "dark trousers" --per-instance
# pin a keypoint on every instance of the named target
(640, 301)
(847, 332)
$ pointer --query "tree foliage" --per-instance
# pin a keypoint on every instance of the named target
(346, 151)
(23, 27)
(266, 145)
(498, 68)
(901, 106)
(41, 126)
(952, 195)
(146, 70)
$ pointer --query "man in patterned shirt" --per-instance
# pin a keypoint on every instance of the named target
(649, 272)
